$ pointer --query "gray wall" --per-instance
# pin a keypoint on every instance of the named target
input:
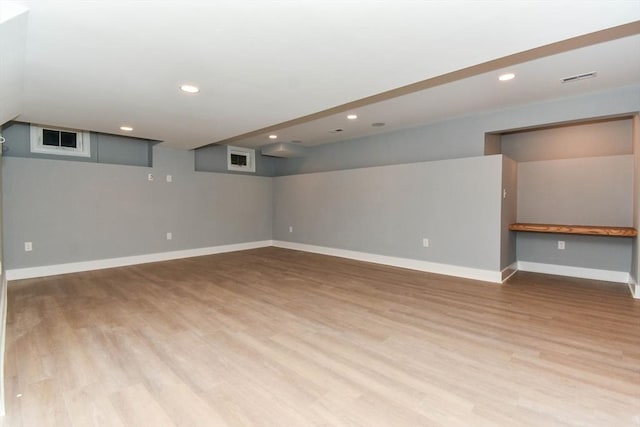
(575, 174)
(509, 212)
(365, 208)
(105, 148)
(3, 301)
(463, 137)
(586, 191)
(214, 159)
(635, 256)
(599, 252)
(583, 191)
(603, 138)
(75, 211)
(120, 150)
(388, 210)
(562, 202)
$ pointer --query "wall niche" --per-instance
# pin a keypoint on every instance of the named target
(577, 173)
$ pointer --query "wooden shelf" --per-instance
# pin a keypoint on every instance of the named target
(593, 230)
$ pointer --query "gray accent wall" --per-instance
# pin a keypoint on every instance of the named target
(599, 252)
(105, 148)
(214, 159)
(509, 212)
(75, 211)
(575, 174)
(602, 138)
(119, 150)
(381, 194)
(3, 300)
(18, 144)
(635, 254)
(606, 182)
(586, 191)
(388, 210)
(583, 191)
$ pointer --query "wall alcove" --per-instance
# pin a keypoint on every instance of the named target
(568, 205)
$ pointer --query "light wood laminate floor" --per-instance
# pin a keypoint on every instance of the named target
(272, 337)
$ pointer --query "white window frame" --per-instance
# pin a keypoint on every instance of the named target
(83, 140)
(241, 151)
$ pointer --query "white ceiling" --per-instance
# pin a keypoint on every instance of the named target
(101, 65)
(535, 81)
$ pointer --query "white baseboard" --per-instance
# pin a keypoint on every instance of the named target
(634, 287)
(509, 271)
(412, 264)
(581, 272)
(75, 267)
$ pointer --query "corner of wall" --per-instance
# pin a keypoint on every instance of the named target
(635, 252)
(634, 287)
(509, 213)
(3, 332)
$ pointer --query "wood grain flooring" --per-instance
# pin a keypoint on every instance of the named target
(272, 337)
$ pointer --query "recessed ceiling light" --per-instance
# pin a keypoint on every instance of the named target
(506, 77)
(352, 116)
(190, 88)
(126, 128)
(273, 136)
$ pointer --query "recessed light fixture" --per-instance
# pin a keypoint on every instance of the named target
(126, 128)
(273, 136)
(352, 116)
(190, 88)
(506, 77)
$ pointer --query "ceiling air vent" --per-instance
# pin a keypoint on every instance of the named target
(579, 77)
(336, 130)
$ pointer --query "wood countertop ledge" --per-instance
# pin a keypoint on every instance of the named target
(594, 230)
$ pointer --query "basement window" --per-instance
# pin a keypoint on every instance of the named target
(64, 142)
(241, 159)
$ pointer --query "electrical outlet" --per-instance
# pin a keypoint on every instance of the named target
(169, 178)
(150, 177)
(425, 242)
(561, 245)
(290, 229)
(504, 193)
(28, 246)
(169, 236)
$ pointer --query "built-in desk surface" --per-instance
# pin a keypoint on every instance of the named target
(595, 230)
